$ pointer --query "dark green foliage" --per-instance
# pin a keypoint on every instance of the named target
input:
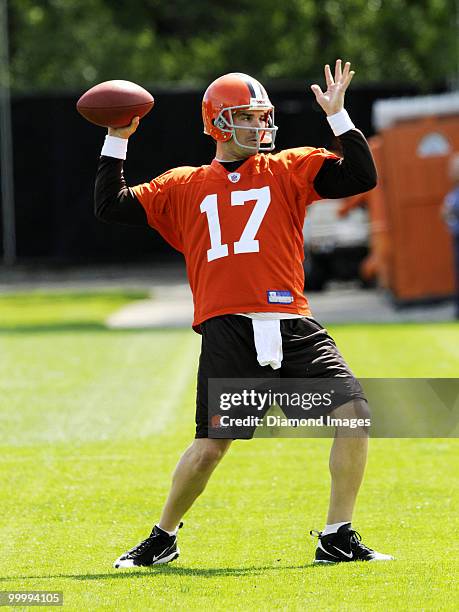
(72, 44)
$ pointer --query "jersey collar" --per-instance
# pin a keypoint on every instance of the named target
(249, 166)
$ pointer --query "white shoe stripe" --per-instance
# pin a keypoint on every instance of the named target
(348, 555)
(319, 545)
(171, 557)
(122, 563)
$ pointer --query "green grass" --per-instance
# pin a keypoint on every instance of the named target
(27, 311)
(92, 422)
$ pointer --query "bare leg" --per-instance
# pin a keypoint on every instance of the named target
(348, 458)
(190, 478)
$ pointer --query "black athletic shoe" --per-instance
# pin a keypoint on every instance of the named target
(344, 545)
(158, 548)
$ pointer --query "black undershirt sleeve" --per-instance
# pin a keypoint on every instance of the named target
(114, 202)
(354, 173)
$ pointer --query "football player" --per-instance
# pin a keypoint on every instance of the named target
(238, 222)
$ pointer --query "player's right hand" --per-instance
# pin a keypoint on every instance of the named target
(125, 132)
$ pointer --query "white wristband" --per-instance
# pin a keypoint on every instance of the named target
(340, 122)
(115, 147)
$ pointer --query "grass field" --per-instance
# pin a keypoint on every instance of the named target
(92, 422)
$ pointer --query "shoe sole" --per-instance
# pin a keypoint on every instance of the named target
(121, 563)
(323, 562)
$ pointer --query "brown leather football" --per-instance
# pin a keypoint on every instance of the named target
(115, 103)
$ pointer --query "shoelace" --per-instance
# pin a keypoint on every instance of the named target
(138, 550)
(356, 540)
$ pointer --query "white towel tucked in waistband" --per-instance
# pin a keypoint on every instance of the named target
(268, 342)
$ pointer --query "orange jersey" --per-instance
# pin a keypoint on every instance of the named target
(241, 232)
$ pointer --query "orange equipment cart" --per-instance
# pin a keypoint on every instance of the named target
(413, 250)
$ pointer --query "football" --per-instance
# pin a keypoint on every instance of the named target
(115, 103)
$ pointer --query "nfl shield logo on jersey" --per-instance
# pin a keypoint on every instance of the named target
(234, 177)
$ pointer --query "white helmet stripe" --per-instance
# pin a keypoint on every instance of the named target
(263, 91)
(260, 92)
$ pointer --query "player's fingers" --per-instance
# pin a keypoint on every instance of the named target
(317, 90)
(328, 76)
(338, 72)
(133, 125)
(349, 78)
(347, 67)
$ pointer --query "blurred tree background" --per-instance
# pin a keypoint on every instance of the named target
(72, 44)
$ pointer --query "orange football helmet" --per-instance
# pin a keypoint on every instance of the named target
(232, 92)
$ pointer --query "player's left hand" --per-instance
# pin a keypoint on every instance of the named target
(332, 100)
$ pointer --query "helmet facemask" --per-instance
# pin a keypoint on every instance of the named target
(265, 136)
